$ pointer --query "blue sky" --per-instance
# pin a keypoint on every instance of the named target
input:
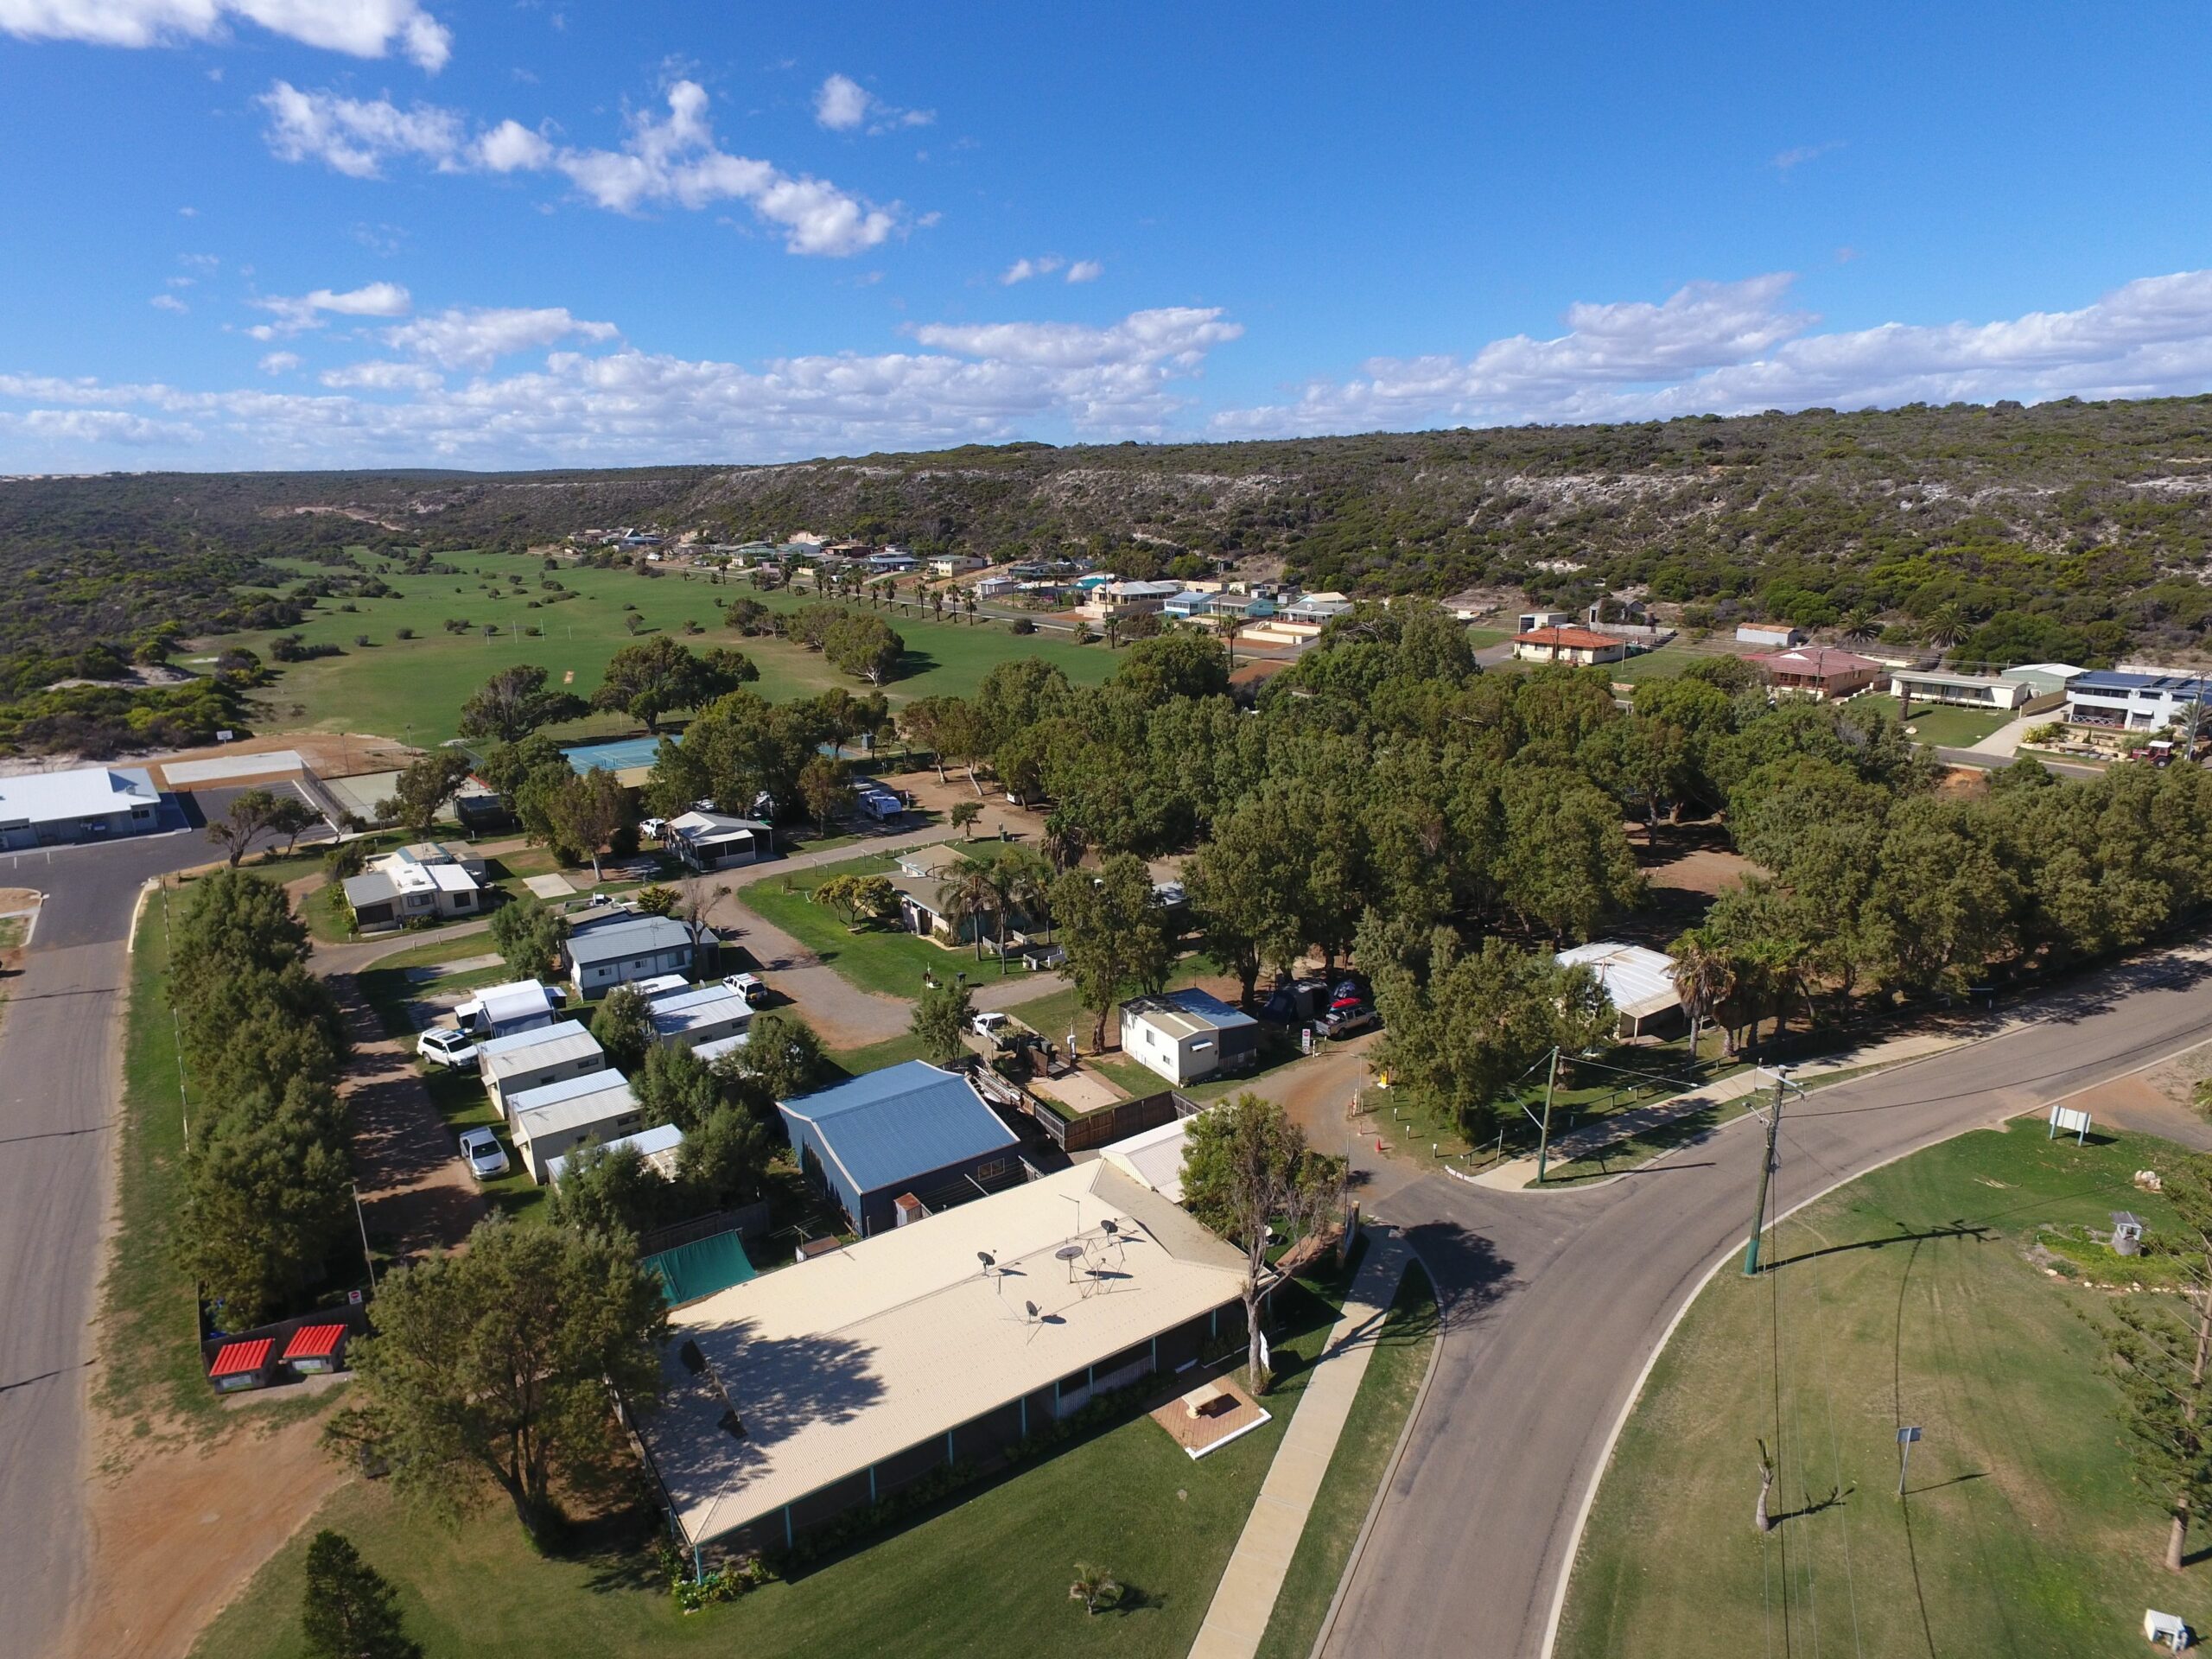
(371, 233)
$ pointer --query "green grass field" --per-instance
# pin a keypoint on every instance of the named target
(987, 1575)
(1356, 1470)
(150, 1374)
(882, 958)
(414, 689)
(1955, 728)
(1907, 1297)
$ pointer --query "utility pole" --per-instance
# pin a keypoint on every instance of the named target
(1766, 1168)
(1544, 1132)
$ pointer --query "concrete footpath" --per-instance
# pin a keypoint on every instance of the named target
(1246, 1596)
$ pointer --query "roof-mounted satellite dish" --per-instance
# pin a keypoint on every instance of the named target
(1111, 1226)
(1032, 1307)
(986, 1259)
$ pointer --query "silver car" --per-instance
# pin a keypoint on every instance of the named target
(481, 1151)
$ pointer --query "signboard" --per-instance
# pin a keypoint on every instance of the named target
(2065, 1120)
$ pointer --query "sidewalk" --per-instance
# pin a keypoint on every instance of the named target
(1589, 1139)
(1246, 1596)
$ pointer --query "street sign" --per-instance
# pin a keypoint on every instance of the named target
(2065, 1120)
(1905, 1438)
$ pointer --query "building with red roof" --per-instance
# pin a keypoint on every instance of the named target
(1824, 673)
(1568, 644)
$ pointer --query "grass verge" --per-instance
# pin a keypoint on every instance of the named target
(149, 1357)
(985, 1574)
(1913, 1295)
(1356, 1470)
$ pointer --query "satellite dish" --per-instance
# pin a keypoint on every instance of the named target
(1032, 1307)
(985, 1258)
(1069, 1253)
(1110, 1225)
(694, 1361)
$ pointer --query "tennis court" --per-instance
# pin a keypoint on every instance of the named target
(618, 755)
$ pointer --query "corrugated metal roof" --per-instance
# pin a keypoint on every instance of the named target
(82, 792)
(638, 936)
(571, 1104)
(527, 1051)
(233, 1358)
(703, 1005)
(838, 1363)
(1640, 981)
(649, 1144)
(888, 1127)
(1186, 1012)
(1154, 1157)
(315, 1341)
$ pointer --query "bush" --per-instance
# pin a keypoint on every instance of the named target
(1022, 625)
(406, 633)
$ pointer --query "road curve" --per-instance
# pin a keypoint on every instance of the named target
(1554, 1304)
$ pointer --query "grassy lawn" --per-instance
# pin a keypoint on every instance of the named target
(149, 1373)
(1955, 728)
(885, 959)
(1907, 1297)
(14, 929)
(1356, 1470)
(986, 1575)
(413, 689)
(1660, 665)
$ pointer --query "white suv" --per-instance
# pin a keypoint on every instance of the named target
(443, 1046)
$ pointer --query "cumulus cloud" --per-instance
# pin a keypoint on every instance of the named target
(297, 314)
(280, 362)
(476, 338)
(1022, 270)
(624, 406)
(96, 427)
(672, 158)
(361, 28)
(1790, 160)
(1085, 270)
(169, 302)
(842, 105)
(1735, 348)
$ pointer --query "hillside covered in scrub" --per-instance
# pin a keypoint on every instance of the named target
(2068, 529)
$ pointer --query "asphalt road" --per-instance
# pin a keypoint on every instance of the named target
(1555, 1302)
(59, 1034)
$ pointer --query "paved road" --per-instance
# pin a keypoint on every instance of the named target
(1555, 1302)
(60, 1035)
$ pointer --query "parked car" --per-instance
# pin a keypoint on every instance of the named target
(654, 829)
(751, 987)
(989, 1023)
(481, 1151)
(443, 1046)
(1343, 1021)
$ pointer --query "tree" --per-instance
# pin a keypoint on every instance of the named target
(1242, 888)
(963, 816)
(493, 1366)
(1704, 977)
(653, 679)
(588, 815)
(293, 818)
(1565, 861)
(781, 1059)
(252, 813)
(677, 1087)
(611, 1191)
(1246, 1166)
(1114, 934)
(1095, 1587)
(749, 617)
(2163, 1362)
(823, 788)
(866, 647)
(969, 898)
(268, 1196)
(516, 701)
(349, 1610)
(624, 1027)
(942, 1012)
(527, 938)
(423, 789)
(724, 1160)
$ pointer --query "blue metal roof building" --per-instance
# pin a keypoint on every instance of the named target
(905, 1129)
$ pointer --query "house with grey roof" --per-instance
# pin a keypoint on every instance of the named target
(53, 809)
(604, 954)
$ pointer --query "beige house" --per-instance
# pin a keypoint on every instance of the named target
(1582, 647)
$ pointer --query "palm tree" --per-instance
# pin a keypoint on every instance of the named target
(1860, 622)
(1095, 1587)
(1113, 633)
(1947, 626)
(1704, 977)
(969, 894)
(1231, 627)
(1021, 877)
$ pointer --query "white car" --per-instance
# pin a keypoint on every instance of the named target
(751, 987)
(481, 1151)
(655, 827)
(443, 1046)
(991, 1024)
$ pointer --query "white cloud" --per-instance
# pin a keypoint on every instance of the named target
(626, 406)
(1790, 160)
(361, 28)
(356, 136)
(1022, 270)
(842, 105)
(169, 302)
(1734, 347)
(475, 339)
(97, 427)
(295, 315)
(280, 362)
(1085, 270)
(672, 159)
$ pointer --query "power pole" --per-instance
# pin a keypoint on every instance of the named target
(1766, 1168)
(1544, 1132)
